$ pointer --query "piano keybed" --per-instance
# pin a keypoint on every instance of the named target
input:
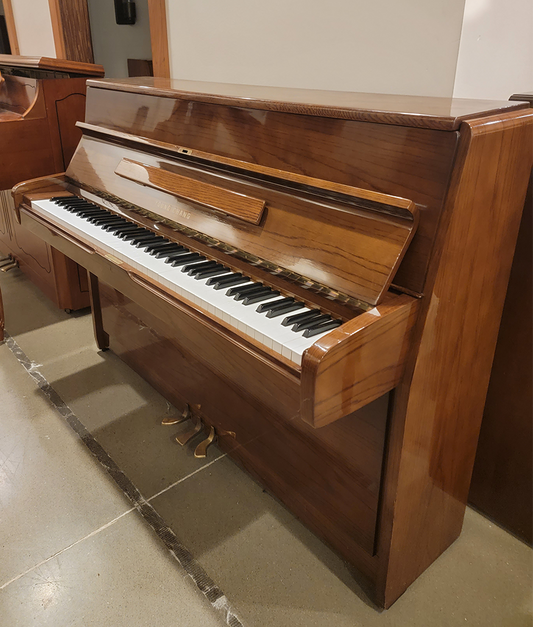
(281, 323)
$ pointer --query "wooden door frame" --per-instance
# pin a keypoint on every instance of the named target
(67, 39)
(11, 29)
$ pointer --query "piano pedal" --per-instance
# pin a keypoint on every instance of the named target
(201, 450)
(4, 260)
(183, 438)
(10, 266)
(176, 420)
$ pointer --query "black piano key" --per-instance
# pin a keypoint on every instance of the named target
(169, 248)
(178, 255)
(253, 290)
(128, 228)
(133, 234)
(281, 311)
(199, 265)
(235, 291)
(183, 259)
(88, 212)
(274, 304)
(116, 228)
(326, 326)
(153, 248)
(147, 245)
(109, 223)
(95, 219)
(257, 297)
(306, 315)
(306, 324)
(212, 272)
(227, 281)
(167, 252)
(143, 240)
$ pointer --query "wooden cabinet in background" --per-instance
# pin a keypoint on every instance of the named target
(40, 102)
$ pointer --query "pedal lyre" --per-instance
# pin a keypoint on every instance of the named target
(176, 420)
(201, 449)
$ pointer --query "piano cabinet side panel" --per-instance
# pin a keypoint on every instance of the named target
(439, 405)
(330, 478)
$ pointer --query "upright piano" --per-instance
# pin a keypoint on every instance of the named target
(41, 100)
(314, 278)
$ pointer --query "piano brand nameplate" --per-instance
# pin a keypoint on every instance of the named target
(232, 203)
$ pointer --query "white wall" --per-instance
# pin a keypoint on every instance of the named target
(496, 51)
(114, 43)
(34, 27)
(406, 47)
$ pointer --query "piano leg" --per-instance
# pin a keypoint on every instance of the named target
(101, 337)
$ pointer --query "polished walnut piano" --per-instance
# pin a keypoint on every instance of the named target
(41, 100)
(315, 278)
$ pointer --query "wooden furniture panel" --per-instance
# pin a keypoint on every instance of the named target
(48, 98)
(322, 238)
(397, 160)
(354, 445)
(502, 481)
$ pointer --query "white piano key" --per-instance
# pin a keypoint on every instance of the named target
(268, 331)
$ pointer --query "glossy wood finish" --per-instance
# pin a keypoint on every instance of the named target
(358, 362)
(211, 196)
(439, 405)
(38, 138)
(335, 241)
(502, 481)
(159, 37)
(399, 161)
(420, 111)
(387, 485)
(70, 67)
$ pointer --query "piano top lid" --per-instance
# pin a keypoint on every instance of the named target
(419, 111)
(51, 65)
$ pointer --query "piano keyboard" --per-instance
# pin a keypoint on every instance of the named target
(282, 324)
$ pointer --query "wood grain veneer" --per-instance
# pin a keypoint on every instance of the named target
(72, 68)
(37, 139)
(159, 37)
(212, 196)
(502, 480)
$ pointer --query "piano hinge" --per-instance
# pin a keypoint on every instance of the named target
(288, 275)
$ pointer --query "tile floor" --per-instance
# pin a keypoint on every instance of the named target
(74, 551)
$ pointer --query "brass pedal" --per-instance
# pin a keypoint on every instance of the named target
(6, 261)
(10, 267)
(183, 438)
(201, 449)
(176, 420)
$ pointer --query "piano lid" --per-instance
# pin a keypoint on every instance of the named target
(418, 111)
(47, 64)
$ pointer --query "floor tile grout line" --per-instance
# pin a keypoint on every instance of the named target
(70, 546)
(173, 485)
(183, 556)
